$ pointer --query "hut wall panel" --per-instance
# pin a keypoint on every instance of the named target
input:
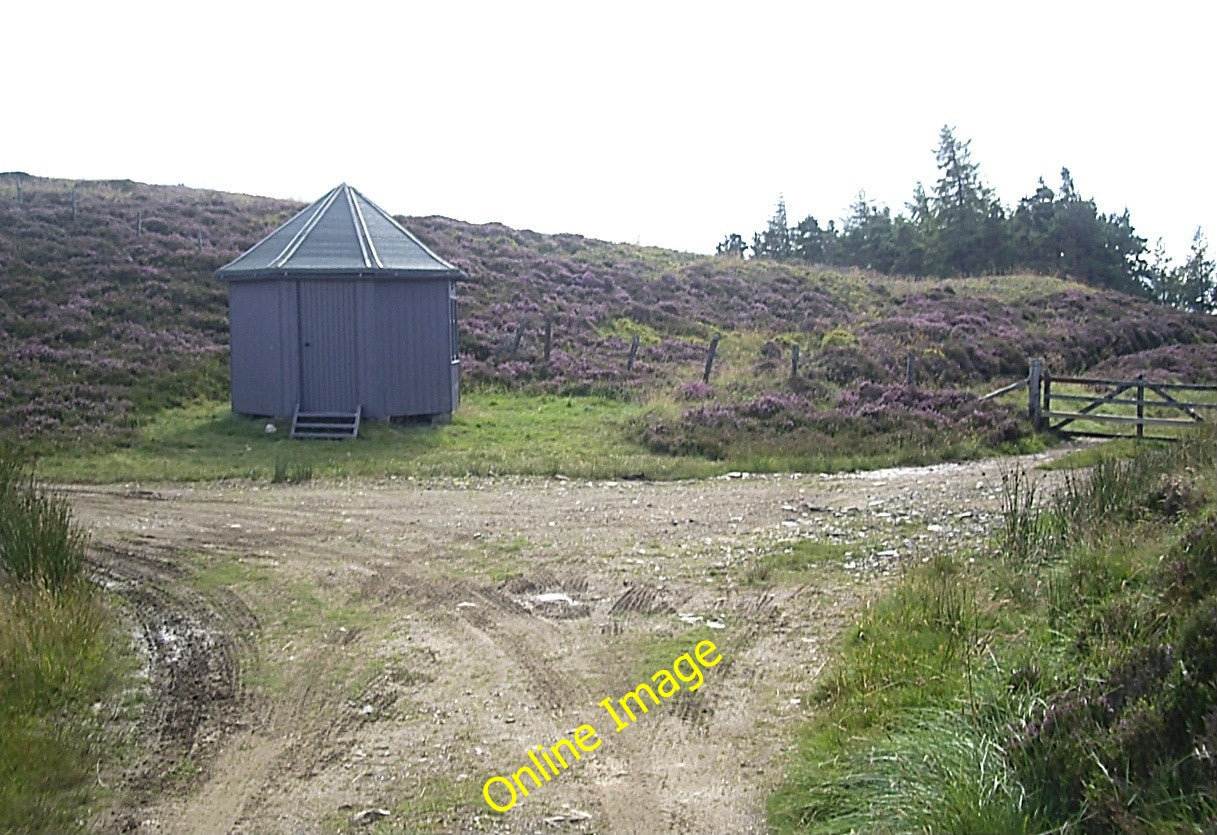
(412, 351)
(256, 362)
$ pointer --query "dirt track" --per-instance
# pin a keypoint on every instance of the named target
(318, 653)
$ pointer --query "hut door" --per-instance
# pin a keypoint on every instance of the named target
(328, 369)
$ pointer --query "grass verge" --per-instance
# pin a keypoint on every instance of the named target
(491, 434)
(1064, 682)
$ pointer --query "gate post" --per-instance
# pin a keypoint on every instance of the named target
(1046, 410)
(1140, 406)
(1035, 377)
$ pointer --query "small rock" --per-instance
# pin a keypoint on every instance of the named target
(271, 429)
(368, 816)
(556, 597)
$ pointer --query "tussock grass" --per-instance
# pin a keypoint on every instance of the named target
(1067, 685)
(291, 472)
(55, 658)
(939, 773)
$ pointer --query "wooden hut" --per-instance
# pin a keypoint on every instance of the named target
(341, 314)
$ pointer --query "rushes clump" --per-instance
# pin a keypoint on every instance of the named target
(39, 544)
(1027, 534)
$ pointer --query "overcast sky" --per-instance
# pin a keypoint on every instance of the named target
(661, 123)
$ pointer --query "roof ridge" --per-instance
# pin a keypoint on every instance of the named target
(357, 222)
(294, 244)
(362, 227)
(403, 229)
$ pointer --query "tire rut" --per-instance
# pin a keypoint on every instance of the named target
(191, 646)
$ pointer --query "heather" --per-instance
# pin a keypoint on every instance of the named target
(108, 310)
(1065, 677)
(916, 423)
(851, 326)
(1166, 364)
(109, 314)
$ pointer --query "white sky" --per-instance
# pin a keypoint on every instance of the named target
(662, 123)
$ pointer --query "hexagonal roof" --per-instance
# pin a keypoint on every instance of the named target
(343, 233)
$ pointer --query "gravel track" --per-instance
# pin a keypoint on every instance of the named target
(318, 653)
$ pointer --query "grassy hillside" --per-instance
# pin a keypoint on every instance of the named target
(109, 314)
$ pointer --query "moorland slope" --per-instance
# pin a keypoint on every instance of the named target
(109, 312)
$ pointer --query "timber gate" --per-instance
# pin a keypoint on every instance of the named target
(1100, 407)
(1064, 402)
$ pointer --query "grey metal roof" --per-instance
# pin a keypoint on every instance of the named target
(342, 233)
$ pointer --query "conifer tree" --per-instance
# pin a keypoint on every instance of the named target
(808, 241)
(775, 241)
(732, 245)
(1197, 276)
(963, 212)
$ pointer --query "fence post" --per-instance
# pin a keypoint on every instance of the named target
(794, 361)
(1034, 378)
(910, 370)
(705, 377)
(1140, 406)
(629, 363)
(549, 338)
(515, 346)
(1047, 408)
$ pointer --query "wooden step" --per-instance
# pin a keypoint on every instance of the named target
(334, 426)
